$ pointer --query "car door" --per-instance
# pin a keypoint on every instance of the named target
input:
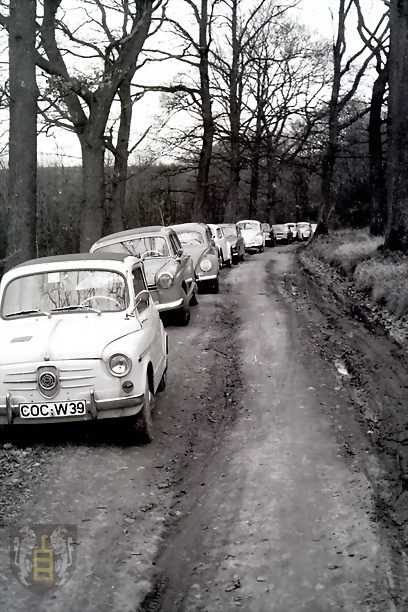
(148, 315)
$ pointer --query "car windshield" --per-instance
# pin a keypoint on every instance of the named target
(279, 228)
(65, 290)
(248, 225)
(265, 226)
(144, 247)
(230, 230)
(190, 238)
(302, 225)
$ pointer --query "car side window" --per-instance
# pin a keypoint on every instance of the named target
(138, 286)
(208, 234)
(219, 233)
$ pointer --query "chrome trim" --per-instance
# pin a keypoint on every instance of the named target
(169, 305)
(8, 411)
(202, 278)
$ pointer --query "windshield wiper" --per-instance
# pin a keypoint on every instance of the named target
(76, 307)
(26, 312)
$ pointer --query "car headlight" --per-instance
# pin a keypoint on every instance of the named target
(205, 265)
(165, 280)
(120, 364)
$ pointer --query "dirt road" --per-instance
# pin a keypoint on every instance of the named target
(261, 489)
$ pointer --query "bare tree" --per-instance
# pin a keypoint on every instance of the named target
(88, 100)
(23, 133)
(340, 97)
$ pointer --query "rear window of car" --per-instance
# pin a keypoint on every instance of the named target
(190, 238)
(146, 247)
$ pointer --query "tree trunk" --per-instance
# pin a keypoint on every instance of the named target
(116, 205)
(234, 116)
(396, 176)
(329, 158)
(377, 176)
(93, 184)
(201, 196)
(21, 242)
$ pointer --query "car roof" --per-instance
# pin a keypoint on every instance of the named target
(74, 257)
(189, 227)
(156, 229)
(248, 221)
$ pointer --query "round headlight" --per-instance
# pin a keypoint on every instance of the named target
(205, 265)
(120, 364)
(165, 280)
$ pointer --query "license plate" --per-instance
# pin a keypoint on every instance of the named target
(52, 409)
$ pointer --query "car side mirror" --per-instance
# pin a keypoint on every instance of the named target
(142, 296)
(179, 252)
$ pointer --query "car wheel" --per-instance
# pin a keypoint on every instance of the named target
(183, 316)
(215, 286)
(235, 259)
(143, 422)
(163, 382)
(261, 249)
(228, 263)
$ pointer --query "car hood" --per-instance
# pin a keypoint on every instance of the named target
(71, 336)
(152, 266)
(195, 251)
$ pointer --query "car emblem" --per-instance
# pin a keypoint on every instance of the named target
(47, 378)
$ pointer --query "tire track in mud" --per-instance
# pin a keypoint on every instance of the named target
(216, 411)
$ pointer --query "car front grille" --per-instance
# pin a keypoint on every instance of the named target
(22, 380)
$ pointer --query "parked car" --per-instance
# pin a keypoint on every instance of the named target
(252, 234)
(169, 270)
(197, 241)
(81, 339)
(234, 237)
(222, 244)
(266, 229)
(304, 230)
(293, 229)
(282, 234)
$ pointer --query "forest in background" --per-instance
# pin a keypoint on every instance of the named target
(263, 119)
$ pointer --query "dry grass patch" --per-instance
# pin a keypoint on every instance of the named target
(382, 276)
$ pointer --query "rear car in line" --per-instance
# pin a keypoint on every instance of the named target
(236, 241)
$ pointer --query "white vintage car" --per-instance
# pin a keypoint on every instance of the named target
(252, 234)
(80, 339)
(222, 244)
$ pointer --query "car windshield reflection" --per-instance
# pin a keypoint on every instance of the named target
(65, 290)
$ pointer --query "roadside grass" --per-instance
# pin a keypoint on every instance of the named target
(381, 275)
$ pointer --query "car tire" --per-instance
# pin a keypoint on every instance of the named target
(228, 263)
(183, 316)
(235, 259)
(215, 286)
(261, 249)
(194, 301)
(163, 382)
(143, 422)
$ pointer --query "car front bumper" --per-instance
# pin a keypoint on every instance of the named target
(95, 409)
